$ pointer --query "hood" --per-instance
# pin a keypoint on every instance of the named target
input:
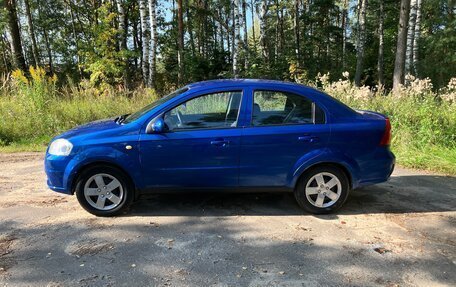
(92, 127)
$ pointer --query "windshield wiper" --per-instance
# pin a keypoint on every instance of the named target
(121, 119)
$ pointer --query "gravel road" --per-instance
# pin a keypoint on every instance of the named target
(400, 233)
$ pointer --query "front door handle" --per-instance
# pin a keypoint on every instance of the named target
(308, 138)
(221, 142)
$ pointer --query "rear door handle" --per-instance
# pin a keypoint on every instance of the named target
(221, 142)
(308, 138)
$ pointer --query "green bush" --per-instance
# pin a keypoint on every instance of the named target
(423, 121)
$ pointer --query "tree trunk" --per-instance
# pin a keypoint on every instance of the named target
(75, 37)
(49, 51)
(153, 36)
(264, 46)
(410, 37)
(215, 34)
(399, 63)
(123, 27)
(144, 41)
(205, 30)
(252, 5)
(16, 43)
(190, 27)
(228, 37)
(31, 30)
(234, 47)
(344, 33)
(296, 29)
(136, 39)
(180, 43)
(281, 30)
(381, 79)
(48, 44)
(222, 34)
(416, 38)
(277, 30)
(237, 38)
(361, 41)
(5, 55)
(246, 36)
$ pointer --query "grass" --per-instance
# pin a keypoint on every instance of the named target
(34, 109)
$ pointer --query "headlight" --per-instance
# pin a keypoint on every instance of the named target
(60, 147)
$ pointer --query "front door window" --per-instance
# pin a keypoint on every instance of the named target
(211, 111)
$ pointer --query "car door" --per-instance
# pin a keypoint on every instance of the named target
(200, 148)
(284, 126)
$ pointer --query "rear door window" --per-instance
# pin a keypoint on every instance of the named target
(283, 108)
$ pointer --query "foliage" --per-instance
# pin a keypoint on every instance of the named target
(103, 60)
(82, 39)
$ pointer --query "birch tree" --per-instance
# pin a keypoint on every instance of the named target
(153, 36)
(416, 38)
(410, 38)
(381, 79)
(144, 40)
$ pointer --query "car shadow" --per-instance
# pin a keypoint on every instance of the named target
(401, 194)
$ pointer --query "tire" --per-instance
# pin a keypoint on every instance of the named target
(322, 197)
(104, 191)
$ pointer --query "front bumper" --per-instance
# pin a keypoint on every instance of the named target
(57, 173)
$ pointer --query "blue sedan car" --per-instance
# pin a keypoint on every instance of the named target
(225, 135)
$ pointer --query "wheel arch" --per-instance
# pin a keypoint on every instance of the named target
(338, 165)
(102, 163)
(321, 157)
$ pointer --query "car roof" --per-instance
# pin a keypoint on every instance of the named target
(231, 82)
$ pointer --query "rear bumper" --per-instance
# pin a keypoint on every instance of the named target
(378, 169)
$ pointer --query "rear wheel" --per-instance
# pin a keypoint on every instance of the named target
(322, 189)
(104, 191)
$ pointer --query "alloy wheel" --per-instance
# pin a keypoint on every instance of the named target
(103, 191)
(323, 189)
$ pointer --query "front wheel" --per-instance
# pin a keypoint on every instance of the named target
(103, 191)
(322, 189)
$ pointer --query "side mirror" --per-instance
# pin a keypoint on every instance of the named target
(156, 126)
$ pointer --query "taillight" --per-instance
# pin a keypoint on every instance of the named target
(386, 138)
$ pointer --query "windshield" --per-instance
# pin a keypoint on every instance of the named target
(136, 115)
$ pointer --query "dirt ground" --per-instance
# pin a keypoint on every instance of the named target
(400, 233)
